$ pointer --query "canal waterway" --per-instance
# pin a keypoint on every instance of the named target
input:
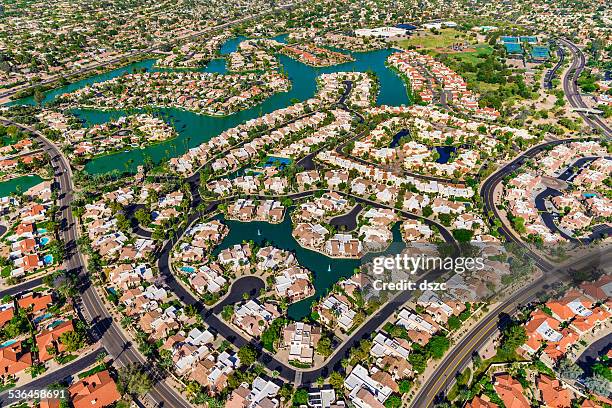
(326, 271)
(194, 129)
(18, 184)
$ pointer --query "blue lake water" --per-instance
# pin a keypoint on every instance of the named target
(18, 184)
(326, 271)
(445, 153)
(396, 138)
(195, 129)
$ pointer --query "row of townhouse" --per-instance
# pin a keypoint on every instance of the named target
(319, 207)
(519, 192)
(308, 143)
(17, 354)
(312, 55)
(411, 63)
(254, 55)
(552, 162)
(192, 54)
(427, 122)
(250, 184)
(127, 131)
(28, 243)
(595, 174)
(378, 175)
(249, 151)
(197, 156)
(547, 391)
(210, 93)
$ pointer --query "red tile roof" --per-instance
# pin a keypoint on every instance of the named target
(96, 391)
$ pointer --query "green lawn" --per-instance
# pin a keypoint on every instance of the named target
(446, 38)
(472, 57)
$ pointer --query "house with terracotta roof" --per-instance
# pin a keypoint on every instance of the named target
(592, 322)
(96, 391)
(510, 391)
(35, 302)
(48, 341)
(481, 402)
(13, 359)
(601, 289)
(544, 329)
(573, 304)
(553, 393)
(7, 311)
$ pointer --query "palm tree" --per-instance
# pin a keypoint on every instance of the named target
(126, 321)
(192, 390)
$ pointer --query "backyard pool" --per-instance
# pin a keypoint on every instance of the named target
(44, 240)
(8, 343)
(41, 318)
(56, 323)
(48, 259)
(188, 269)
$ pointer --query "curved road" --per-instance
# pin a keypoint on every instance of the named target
(287, 372)
(103, 327)
(455, 362)
(570, 88)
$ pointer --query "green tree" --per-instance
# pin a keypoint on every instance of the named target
(134, 380)
(336, 380)
(570, 370)
(454, 323)
(463, 235)
(324, 347)
(227, 312)
(247, 355)
(73, 340)
(514, 336)
(405, 386)
(300, 397)
(394, 401)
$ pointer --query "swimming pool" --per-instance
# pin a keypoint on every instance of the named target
(43, 317)
(188, 269)
(56, 323)
(48, 259)
(44, 240)
(42, 230)
(8, 343)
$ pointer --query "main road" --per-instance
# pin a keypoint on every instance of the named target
(570, 87)
(459, 357)
(103, 327)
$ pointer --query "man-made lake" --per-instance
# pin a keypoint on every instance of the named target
(444, 153)
(195, 129)
(326, 271)
(18, 184)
